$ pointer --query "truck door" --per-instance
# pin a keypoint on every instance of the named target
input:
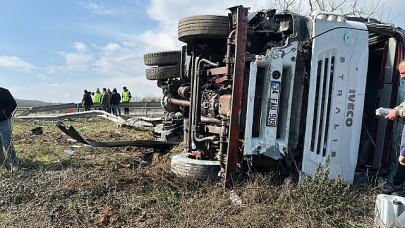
(336, 95)
(388, 97)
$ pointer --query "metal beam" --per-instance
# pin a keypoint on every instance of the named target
(237, 92)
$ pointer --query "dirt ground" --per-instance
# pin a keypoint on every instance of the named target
(83, 186)
(133, 187)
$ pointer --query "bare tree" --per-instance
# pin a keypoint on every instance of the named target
(359, 8)
(291, 5)
(364, 8)
(150, 98)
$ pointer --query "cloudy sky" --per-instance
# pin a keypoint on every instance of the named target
(53, 50)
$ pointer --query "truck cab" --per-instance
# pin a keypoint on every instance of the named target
(256, 89)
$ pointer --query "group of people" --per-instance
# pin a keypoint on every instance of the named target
(8, 105)
(109, 101)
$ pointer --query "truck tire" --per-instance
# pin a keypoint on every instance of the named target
(163, 58)
(203, 27)
(184, 166)
(162, 72)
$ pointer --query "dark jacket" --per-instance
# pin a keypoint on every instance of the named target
(105, 99)
(115, 98)
(7, 104)
(86, 100)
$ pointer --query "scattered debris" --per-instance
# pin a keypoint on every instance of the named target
(85, 114)
(133, 122)
(144, 121)
(71, 140)
(235, 198)
(76, 146)
(70, 131)
(70, 151)
(37, 131)
(143, 163)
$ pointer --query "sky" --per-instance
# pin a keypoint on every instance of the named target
(53, 50)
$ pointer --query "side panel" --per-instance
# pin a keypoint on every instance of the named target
(336, 97)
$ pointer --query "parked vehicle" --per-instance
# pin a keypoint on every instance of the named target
(254, 90)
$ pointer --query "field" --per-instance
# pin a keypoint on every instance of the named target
(133, 187)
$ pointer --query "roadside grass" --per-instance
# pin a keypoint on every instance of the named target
(107, 187)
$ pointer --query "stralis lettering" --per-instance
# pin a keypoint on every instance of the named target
(350, 107)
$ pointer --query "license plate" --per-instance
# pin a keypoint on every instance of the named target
(273, 104)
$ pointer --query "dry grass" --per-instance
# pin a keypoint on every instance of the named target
(106, 187)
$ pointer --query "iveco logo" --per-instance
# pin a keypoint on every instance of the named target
(350, 107)
(348, 38)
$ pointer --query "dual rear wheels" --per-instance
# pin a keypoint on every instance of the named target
(162, 65)
(191, 30)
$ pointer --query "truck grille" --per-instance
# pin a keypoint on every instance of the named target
(323, 94)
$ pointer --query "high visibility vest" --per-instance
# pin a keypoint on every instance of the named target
(126, 96)
(97, 98)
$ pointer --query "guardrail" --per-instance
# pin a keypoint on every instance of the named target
(76, 107)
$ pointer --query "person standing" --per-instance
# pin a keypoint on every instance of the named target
(126, 97)
(395, 113)
(115, 101)
(97, 97)
(105, 100)
(110, 109)
(7, 107)
(87, 102)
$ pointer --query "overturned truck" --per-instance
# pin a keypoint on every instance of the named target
(256, 89)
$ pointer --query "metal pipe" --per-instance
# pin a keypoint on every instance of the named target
(205, 119)
(196, 115)
(192, 108)
(180, 102)
(195, 99)
(222, 141)
(229, 52)
(207, 61)
(209, 138)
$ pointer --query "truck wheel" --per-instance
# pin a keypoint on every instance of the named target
(163, 58)
(163, 72)
(184, 166)
(203, 27)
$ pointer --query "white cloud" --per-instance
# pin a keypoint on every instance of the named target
(80, 60)
(168, 13)
(77, 61)
(118, 60)
(159, 41)
(124, 57)
(64, 92)
(15, 64)
(80, 47)
(111, 47)
(97, 9)
(43, 76)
